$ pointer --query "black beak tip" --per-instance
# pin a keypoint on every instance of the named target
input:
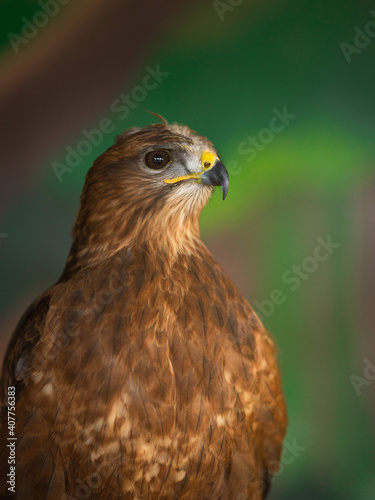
(223, 178)
(225, 186)
(217, 176)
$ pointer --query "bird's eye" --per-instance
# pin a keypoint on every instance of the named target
(157, 159)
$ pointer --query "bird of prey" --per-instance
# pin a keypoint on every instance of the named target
(143, 373)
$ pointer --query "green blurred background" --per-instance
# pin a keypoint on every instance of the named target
(229, 65)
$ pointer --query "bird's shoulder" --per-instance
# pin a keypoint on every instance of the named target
(18, 359)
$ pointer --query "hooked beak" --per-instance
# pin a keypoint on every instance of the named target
(217, 175)
(213, 173)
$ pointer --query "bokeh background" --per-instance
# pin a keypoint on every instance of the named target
(224, 68)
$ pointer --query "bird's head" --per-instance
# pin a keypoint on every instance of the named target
(148, 188)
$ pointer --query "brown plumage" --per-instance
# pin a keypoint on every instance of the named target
(143, 373)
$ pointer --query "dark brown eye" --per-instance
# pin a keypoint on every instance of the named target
(157, 159)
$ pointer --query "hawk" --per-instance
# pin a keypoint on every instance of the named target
(143, 373)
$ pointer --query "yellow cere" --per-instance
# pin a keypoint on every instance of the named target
(208, 159)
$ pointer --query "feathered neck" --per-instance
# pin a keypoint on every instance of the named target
(103, 228)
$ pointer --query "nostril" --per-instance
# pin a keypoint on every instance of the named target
(206, 164)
